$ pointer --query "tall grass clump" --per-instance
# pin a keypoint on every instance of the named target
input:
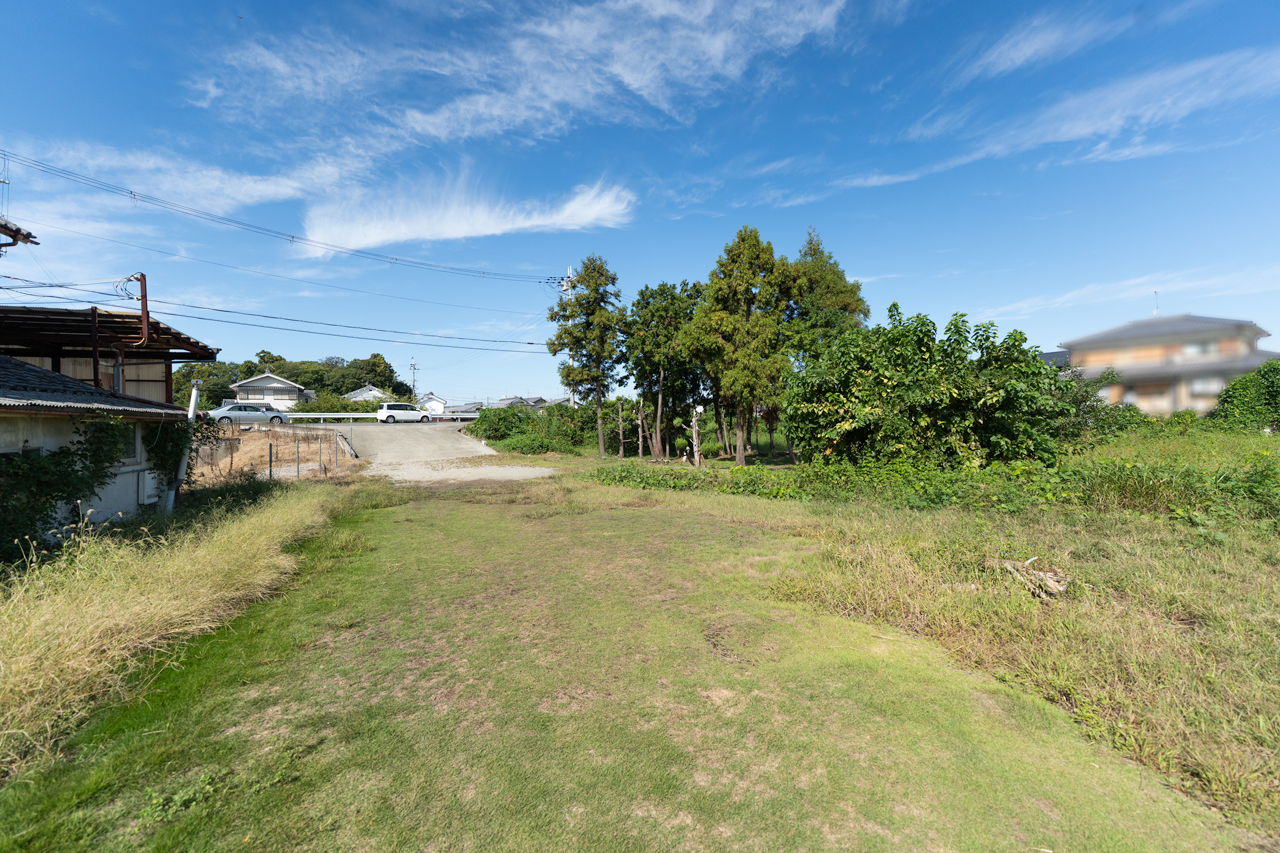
(75, 628)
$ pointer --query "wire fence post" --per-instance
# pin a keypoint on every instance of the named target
(320, 454)
(297, 460)
(270, 473)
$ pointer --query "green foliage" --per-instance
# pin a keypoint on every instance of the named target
(824, 303)
(590, 322)
(1205, 496)
(660, 366)
(736, 331)
(333, 376)
(497, 424)
(516, 429)
(328, 401)
(898, 390)
(33, 486)
(1251, 401)
(165, 443)
(216, 378)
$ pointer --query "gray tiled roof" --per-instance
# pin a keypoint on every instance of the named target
(1176, 327)
(27, 387)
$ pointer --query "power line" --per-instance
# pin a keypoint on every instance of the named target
(273, 274)
(34, 284)
(153, 300)
(218, 219)
(338, 335)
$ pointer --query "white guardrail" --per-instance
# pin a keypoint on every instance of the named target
(338, 416)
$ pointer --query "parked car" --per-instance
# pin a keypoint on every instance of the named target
(242, 414)
(389, 413)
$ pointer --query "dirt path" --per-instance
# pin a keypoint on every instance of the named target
(424, 453)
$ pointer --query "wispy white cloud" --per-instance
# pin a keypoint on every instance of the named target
(1115, 120)
(1196, 282)
(611, 61)
(459, 208)
(1043, 38)
(1138, 104)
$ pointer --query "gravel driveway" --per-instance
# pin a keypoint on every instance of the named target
(422, 453)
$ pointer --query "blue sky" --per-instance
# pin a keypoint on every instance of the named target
(1046, 166)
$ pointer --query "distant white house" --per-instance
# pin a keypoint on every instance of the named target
(267, 389)
(429, 402)
(368, 393)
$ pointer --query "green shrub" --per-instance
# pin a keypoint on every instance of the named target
(897, 390)
(327, 401)
(532, 443)
(1251, 401)
(497, 424)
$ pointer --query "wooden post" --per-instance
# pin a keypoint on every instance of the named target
(621, 440)
(270, 473)
(297, 460)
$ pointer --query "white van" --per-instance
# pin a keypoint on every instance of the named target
(389, 413)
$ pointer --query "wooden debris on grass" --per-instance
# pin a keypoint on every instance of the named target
(1047, 584)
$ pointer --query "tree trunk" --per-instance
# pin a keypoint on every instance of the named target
(657, 421)
(621, 442)
(721, 435)
(740, 416)
(769, 425)
(640, 428)
(790, 452)
(600, 418)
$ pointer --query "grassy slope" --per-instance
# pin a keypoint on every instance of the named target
(577, 667)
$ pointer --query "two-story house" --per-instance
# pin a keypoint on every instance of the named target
(1167, 364)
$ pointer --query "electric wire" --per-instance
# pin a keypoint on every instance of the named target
(153, 300)
(218, 219)
(272, 274)
(22, 289)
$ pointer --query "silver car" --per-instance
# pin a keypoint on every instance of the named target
(242, 414)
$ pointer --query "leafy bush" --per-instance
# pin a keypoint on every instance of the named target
(533, 443)
(1251, 401)
(515, 429)
(895, 390)
(497, 424)
(327, 401)
(34, 486)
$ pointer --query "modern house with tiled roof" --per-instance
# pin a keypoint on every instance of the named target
(1167, 364)
(36, 410)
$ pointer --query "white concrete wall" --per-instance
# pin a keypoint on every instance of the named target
(121, 495)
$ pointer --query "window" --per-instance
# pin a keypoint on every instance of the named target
(253, 394)
(1207, 386)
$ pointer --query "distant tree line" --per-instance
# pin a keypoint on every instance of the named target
(729, 344)
(332, 376)
(781, 343)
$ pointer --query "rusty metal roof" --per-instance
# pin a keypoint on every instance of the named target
(68, 333)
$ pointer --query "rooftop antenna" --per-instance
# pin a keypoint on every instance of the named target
(1156, 313)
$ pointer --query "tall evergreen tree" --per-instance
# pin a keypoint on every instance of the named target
(590, 321)
(659, 365)
(824, 304)
(737, 328)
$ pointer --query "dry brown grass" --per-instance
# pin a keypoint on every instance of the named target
(73, 630)
(247, 450)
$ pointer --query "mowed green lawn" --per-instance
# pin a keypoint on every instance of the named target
(564, 666)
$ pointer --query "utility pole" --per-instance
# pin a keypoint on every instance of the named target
(413, 366)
